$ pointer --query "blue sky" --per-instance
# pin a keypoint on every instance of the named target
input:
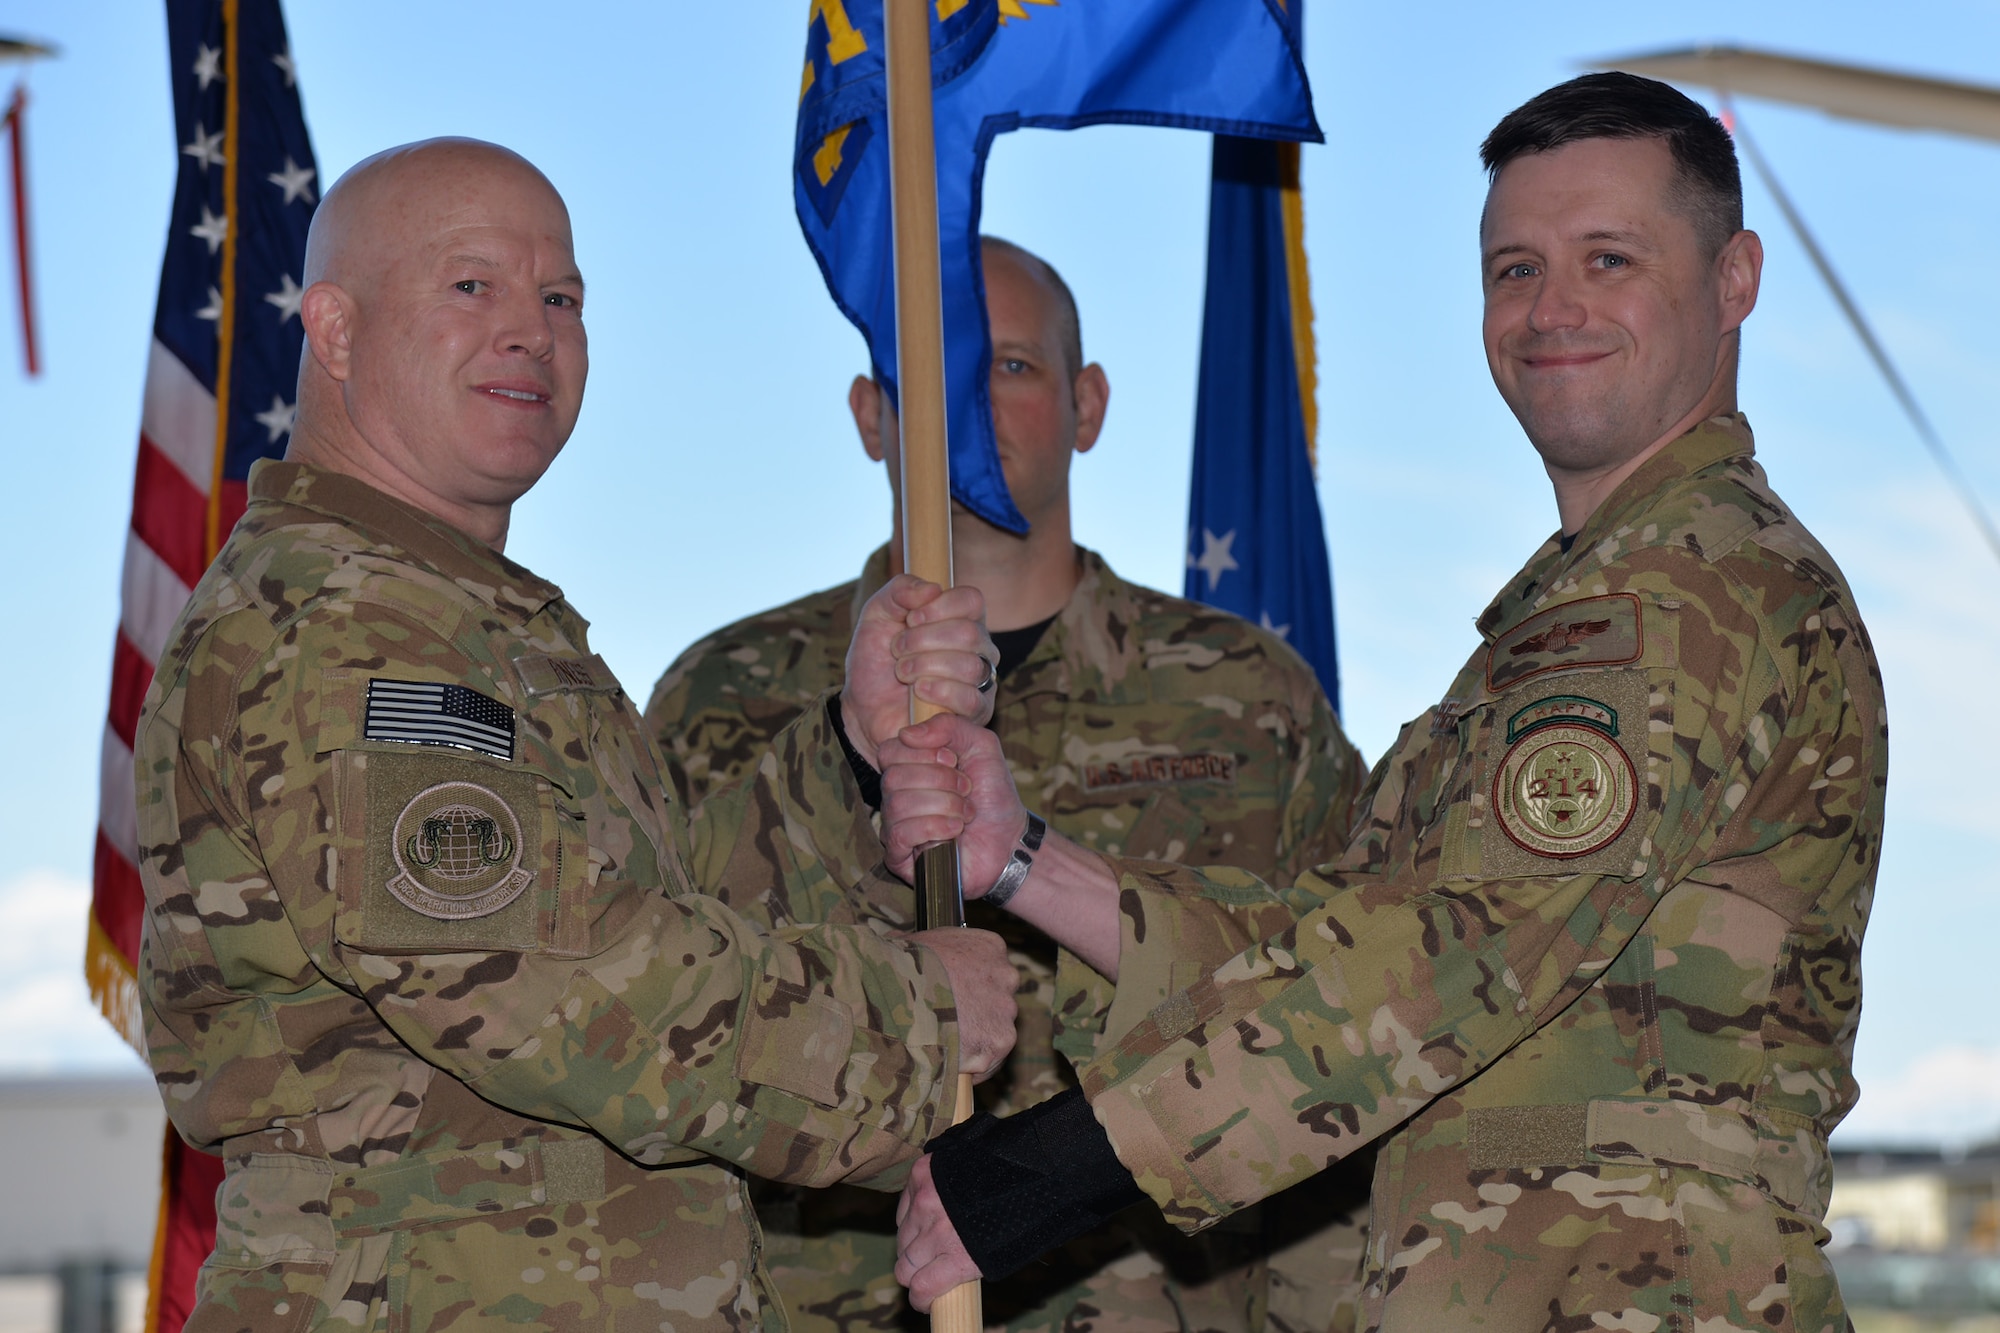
(714, 471)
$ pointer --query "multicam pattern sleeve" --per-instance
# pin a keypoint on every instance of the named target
(1318, 803)
(1595, 947)
(722, 703)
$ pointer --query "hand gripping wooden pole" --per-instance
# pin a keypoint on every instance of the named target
(926, 463)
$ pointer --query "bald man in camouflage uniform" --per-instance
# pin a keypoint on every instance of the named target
(1108, 713)
(424, 955)
(1591, 962)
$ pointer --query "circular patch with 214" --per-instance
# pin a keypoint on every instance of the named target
(458, 853)
(1565, 791)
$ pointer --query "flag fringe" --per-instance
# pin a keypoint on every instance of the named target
(114, 985)
(1300, 283)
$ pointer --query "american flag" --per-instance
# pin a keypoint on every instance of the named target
(429, 713)
(221, 385)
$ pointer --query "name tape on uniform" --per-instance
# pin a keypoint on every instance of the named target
(1160, 768)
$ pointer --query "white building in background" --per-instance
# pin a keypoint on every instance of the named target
(84, 1167)
(1919, 1200)
(1892, 1210)
(83, 1162)
(1917, 1231)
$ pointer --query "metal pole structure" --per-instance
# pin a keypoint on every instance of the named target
(16, 127)
(926, 463)
(13, 123)
(1954, 475)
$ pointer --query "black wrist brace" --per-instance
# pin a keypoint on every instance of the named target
(1018, 1187)
(864, 772)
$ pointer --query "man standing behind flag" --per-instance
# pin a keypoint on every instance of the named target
(1220, 66)
(1105, 709)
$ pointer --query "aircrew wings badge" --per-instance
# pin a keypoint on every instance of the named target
(1596, 631)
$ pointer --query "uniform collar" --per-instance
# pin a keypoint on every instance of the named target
(1718, 440)
(1100, 608)
(390, 522)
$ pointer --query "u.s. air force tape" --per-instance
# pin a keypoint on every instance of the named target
(1017, 1188)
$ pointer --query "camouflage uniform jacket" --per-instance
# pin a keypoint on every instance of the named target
(1593, 955)
(473, 1048)
(1140, 724)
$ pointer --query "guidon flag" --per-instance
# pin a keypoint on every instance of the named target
(1223, 66)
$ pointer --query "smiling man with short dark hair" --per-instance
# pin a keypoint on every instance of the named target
(1589, 969)
(1099, 704)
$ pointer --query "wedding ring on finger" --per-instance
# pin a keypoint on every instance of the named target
(990, 678)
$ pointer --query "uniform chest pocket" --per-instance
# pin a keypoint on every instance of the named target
(1567, 744)
(580, 705)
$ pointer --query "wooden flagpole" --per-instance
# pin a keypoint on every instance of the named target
(926, 463)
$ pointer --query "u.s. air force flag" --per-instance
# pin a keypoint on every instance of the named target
(1226, 66)
(1255, 541)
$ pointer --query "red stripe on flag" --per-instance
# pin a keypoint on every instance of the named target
(131, 675)
(170, 514)
(187, 1230)
(117, 899)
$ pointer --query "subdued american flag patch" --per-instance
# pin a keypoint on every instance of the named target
(418, 713)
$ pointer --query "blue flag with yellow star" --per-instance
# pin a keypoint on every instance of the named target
(1225, 66)
(1256, 544)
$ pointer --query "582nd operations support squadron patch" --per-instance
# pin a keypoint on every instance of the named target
(457, 850)
(1566, 789)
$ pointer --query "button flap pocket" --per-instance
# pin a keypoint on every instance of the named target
(448, 853)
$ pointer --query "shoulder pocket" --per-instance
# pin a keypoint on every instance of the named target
(440, 845)
(1566, 766)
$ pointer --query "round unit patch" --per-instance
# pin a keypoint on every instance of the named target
(1565, 791)
(458, 853)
